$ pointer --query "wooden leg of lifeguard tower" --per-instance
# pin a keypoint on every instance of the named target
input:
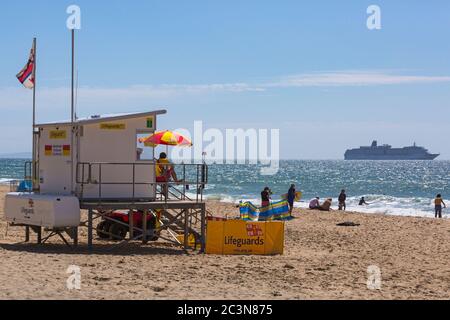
(186, 229)
(90, 229)
(39, 235)
(27, 234)
(203, 229)
(75, 236)
(37, 230)
(131, 222)
(144, 227)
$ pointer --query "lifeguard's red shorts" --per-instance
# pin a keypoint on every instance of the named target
(161, 179)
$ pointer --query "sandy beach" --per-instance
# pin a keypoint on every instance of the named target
(321, 261)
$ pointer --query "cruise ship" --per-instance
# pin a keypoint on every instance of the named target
(386, 152)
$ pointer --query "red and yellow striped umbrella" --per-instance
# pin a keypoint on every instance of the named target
(166, 138)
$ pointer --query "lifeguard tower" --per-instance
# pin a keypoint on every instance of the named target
(95, 164)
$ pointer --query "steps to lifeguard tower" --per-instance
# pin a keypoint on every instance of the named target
(183, 219)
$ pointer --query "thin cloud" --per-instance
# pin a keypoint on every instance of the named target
(353, 79)
(16, 97)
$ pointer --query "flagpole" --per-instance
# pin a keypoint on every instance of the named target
(73, 77)
(33, 169)
(72, 115)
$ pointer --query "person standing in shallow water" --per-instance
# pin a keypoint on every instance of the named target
(438, 203)
(342, 199)
(291, 198)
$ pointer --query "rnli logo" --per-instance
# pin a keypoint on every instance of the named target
(30, 209)
(254, 230)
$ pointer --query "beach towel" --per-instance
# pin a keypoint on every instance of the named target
(277, 211)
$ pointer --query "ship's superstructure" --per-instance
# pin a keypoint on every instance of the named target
(386, 152)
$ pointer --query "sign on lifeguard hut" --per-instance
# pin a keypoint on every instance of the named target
(93, 158)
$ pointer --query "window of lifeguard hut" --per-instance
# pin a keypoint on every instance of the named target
(143, 152)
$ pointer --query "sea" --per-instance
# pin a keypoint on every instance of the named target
(404, 188)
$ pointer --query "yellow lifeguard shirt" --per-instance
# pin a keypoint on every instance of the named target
(160, 169)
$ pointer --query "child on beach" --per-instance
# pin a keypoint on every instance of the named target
(438, 203)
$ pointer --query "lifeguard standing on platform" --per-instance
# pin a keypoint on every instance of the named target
(165, 171)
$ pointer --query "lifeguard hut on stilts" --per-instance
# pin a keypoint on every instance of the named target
(95, 165)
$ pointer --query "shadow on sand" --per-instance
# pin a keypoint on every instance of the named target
(127, 249)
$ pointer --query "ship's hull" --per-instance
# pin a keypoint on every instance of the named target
(390, 157)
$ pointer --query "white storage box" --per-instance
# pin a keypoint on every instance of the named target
(48, 211)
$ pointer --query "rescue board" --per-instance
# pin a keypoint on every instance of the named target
(298, 196)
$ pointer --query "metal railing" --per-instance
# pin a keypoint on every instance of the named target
(93, 173)
(27, 176)
(28, 170)
(14, 185)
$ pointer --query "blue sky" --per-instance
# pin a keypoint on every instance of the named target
(309, 68)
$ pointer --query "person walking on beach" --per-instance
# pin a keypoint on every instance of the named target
(265, 197)
(342, 199)
(291, 198)
(438, 203)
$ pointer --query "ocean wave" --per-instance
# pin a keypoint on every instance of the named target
(6, 181)
(389, 205)
(378, 204)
